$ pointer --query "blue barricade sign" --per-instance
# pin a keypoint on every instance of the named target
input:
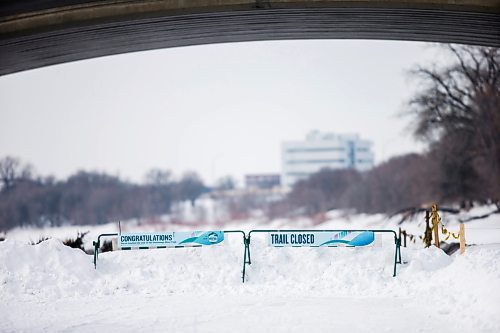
(170, 239)
(317, 239)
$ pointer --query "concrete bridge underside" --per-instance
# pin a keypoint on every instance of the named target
(45, 32)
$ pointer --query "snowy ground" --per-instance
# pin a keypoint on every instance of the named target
(52, 288)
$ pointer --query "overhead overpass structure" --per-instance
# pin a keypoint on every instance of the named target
(39, 33)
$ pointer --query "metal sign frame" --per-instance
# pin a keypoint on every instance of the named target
(397, 241)
(97, 245)
(246, 242)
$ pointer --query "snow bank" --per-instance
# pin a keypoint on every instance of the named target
(49, 270)
(431, 291)
(463, 289)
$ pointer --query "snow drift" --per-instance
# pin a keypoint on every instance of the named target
(51, 287)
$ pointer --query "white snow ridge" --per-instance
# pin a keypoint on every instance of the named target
(50, 287)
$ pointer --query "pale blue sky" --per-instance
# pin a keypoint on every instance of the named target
(215, 109)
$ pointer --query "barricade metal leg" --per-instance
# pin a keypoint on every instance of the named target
(248, 249)
(97, 245)
(96, 253)
(395, 260)
(246, 242)
(397, 253)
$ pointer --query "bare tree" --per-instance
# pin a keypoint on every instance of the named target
(11, 170)
(225, 183)
(457, 112)
(159, 191)
(190, 187)
(158, 177)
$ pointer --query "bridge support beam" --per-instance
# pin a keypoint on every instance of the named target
(33, 36)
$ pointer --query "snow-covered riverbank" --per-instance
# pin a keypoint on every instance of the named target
(52, 288)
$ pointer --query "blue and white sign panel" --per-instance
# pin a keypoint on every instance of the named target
(170, 239)
(318, 239)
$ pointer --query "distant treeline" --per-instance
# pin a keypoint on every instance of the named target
(411, 180)
(86, 197)
(456, 112)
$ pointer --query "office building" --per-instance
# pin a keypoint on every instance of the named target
(319, 150)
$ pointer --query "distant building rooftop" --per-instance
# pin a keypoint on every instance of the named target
(262, 181)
